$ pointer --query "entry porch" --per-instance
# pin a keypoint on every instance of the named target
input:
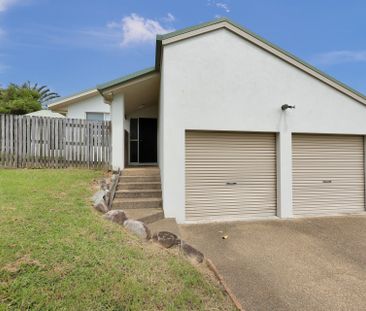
(134, 104)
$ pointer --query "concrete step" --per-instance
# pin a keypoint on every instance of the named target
(137, 203)
(139, 186)
(139, 178)
(147, 215)
(138, 194)
(150, 171)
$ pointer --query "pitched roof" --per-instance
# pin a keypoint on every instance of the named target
(59, 103)
(190, 32)
(127, 78)
(68, 100)
(193, 28)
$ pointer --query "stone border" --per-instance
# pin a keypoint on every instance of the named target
(102, 200)
(113, 188)
(167, 239)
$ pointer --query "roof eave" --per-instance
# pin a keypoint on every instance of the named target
(58, 104)
(158, 53)
(111, 85)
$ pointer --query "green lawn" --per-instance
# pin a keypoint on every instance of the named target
(57, 253)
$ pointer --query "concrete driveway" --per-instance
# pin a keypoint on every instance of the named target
(302, 264)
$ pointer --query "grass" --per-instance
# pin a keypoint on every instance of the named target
(57, 253)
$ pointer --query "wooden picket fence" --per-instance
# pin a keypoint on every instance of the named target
(37, 142)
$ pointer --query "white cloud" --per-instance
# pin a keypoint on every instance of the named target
(223, 6)
(340, 57)
(169, 18)
(137, 29)
(5, 4)
(2, 33)
(220, 5)
(132, 29)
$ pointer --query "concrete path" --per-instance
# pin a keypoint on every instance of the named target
(302, 264)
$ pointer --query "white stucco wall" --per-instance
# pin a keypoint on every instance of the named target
(219, 81)
(93, 104)
(118, 139)
(161, 142)
(147, 112)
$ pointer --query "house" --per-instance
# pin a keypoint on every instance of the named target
(86, 105)
(216, 114)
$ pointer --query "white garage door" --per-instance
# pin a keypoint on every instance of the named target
(230, 175)
(328, 174)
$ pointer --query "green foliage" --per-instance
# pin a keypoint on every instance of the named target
(44, 93)
(25, 98)
(57, 253)
(17, 100)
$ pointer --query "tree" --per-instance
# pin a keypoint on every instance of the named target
(16, 100)
(25, 98)
(45, 94)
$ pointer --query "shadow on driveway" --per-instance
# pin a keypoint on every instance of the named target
(301, 264)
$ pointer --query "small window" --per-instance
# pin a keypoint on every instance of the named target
(98, 116)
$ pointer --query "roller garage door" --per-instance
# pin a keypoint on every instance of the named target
(230, 175)
(328, 174)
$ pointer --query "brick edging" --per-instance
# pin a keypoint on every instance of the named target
(233, 298)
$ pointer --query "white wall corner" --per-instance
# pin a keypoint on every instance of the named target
(117, 119)
(180, 175)
(364, 161)
(284, 174)
(174, 173)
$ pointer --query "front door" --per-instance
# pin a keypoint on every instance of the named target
(148, 140)
(143, 142)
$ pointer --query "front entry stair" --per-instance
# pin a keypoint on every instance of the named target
(139, 194)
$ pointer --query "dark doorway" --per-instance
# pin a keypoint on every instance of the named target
(143, 140)
(148, 135)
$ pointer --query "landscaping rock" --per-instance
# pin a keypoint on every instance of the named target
(101, 206)
(191, 252)
(104, 184)
(166, 239)
(99, 195)
(118, 216)
(138, 228)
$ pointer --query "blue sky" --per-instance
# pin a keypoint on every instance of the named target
(74, 45)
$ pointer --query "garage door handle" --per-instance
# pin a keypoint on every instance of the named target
(231, 183)
(327, 181)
